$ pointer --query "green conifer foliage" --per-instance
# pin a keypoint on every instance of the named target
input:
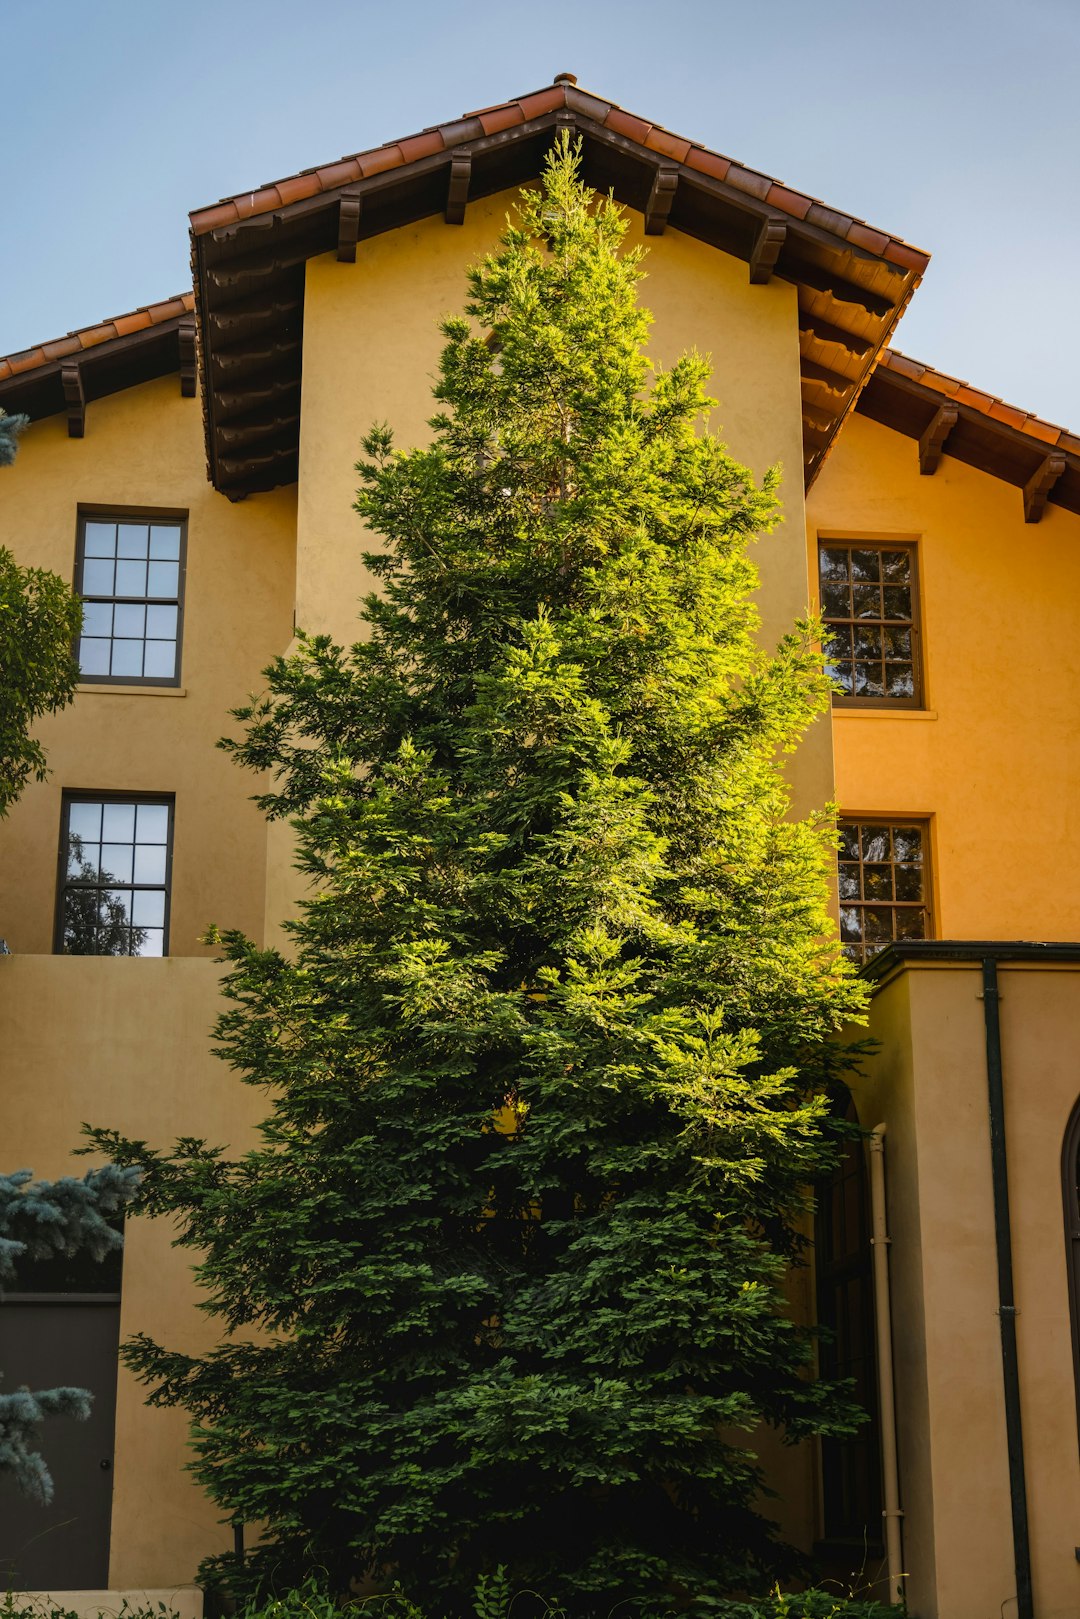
(502, 1283)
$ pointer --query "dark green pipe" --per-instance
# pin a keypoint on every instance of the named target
(1010, 1365)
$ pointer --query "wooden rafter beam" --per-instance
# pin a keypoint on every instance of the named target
(834, 381)
(825, 332)
(1038, 487)
(74, 399)
(348, 231)
(185, 336)
(661, 196)
(933, 441)
(768, 245)
(251, 359)
(253, 313)
(457, 192)
(837, 288)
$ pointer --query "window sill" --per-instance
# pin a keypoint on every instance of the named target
(131, 691)
(869, 713)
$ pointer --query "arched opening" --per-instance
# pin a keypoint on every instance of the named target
(851, 1500)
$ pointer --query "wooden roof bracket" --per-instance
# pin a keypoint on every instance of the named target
(933, 441)
(661, 196)
(75, 398)
(1038, 487)
(348, 230)
(766, 250)
(457, 194)
(185, 338)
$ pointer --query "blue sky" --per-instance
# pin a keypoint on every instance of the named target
(954, 124)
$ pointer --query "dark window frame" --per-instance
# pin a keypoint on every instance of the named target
(924, 822)
(89, 795)
(1070, 1173)
(135, 514)
(917, 701)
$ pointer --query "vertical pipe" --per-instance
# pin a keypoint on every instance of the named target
(1010, 1366)
(894, 1560)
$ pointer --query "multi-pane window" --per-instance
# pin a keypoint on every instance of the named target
(114, 891)
(129, 574)
(869, 601)
(884, 885)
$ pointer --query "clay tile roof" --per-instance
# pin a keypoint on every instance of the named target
(986, 404)
(553, 98)
(88, 337)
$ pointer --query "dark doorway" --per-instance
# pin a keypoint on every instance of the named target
(850, 1468)
(62, 1328)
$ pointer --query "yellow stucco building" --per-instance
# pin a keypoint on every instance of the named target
(190, 468)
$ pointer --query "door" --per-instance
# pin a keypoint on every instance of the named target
(49, 1340)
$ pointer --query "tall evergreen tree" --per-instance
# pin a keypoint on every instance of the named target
(503, 1282)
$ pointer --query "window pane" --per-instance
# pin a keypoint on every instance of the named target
(148, 907)
(131, 578)
(161, 623)
(84, 821)
(849, 840)
(149, 942)
(867, 640)
(907, 842)
(150, 863)
(116, 862)
(83, 859)
(118, 904)
(165, 542)
(896, 567)
(94, 656)
(875, 843)
(865, 565)
(909, 881)
(834, 562)
(835, 601)
(164, 579)
(898, 643)
(160, 660)
(849, 923)
(849, 881)
(897, 601)
(127, 658)
(97, 618)
(877, 882)
(129, 619)
(911, 923)
(898, 680)
(866, 601)
(118, 823)
(97, 577)
(132, 540)
(152, 821)
(99, 540)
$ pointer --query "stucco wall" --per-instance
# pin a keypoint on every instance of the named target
(144, 447)
(928, 1084)
(124, 1043)
(995, 759)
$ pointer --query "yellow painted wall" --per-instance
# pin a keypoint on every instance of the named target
(996, 758)
(144, 447)
(125, 1043)
(928, 1085)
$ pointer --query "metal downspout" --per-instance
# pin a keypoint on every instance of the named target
(892, 1514)
(1006, 1299)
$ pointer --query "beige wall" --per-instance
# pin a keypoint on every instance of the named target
(124, 1043)
(995, 759)
(929, 1086)
(144, 447)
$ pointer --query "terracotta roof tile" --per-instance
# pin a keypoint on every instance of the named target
(673, 146)
(87, 337)
(496, 119)
(986, 404)
(564, 94)
(414, 147)
(624, 123)
(792, 202)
